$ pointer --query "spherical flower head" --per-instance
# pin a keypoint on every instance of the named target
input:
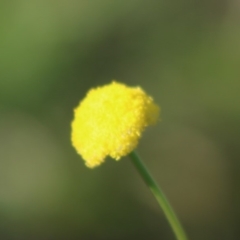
(110, 121)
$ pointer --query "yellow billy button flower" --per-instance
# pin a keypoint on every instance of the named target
(110, 121)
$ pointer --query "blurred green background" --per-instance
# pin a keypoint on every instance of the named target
(186, 54)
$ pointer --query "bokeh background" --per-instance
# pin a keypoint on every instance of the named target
(186, 54)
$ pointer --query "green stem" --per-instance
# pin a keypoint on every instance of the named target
(160, 197)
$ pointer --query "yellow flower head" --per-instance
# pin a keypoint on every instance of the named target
(110, 121)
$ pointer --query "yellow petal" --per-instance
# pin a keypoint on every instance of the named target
(109, 121)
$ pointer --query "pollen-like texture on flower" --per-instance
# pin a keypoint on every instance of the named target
(110, 121)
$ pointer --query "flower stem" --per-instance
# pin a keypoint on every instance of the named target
(160, 197)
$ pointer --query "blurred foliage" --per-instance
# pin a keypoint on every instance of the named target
(184, 53)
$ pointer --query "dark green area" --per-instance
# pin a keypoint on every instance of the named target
(186, 54)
